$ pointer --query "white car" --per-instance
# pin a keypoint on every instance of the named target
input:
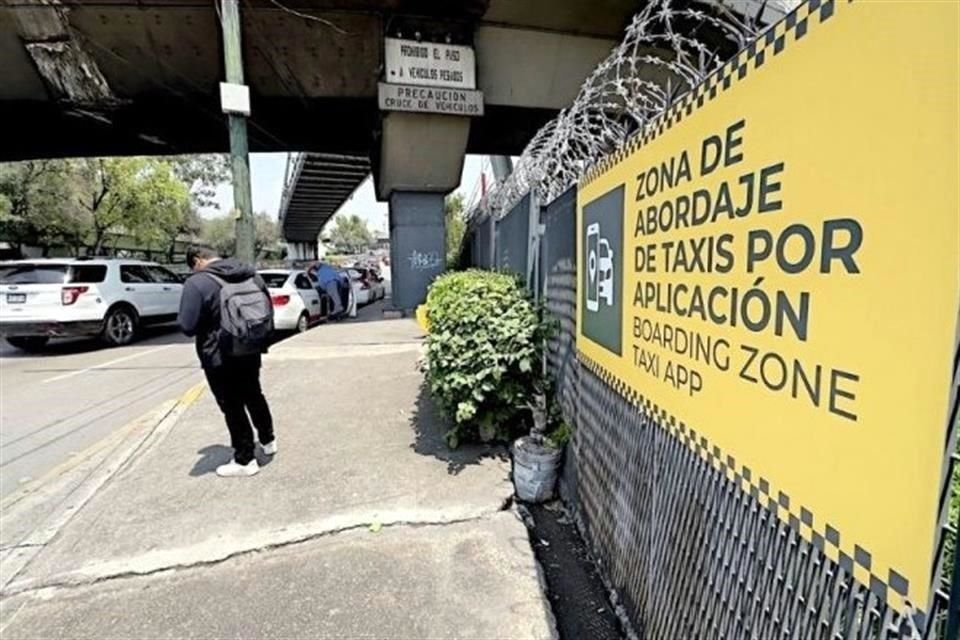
(296, 302)
(69, 297)
(366, 284)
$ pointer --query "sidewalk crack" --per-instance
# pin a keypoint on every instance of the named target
(22, 545)
(73, 581)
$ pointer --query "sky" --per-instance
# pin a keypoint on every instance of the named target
(267, 172)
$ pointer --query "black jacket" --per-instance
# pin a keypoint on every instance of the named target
(200, 306)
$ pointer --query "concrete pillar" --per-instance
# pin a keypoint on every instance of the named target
(417, 245)
(420, 160)
(301, 251)
(420, 152)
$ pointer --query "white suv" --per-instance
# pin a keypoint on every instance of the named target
(50, 298)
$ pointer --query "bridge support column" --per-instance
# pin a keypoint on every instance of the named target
(417, 245)
(301, 251)
(420, 161)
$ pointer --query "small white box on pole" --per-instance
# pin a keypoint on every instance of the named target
(235, 98)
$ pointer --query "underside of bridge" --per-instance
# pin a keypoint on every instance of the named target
(317, 184)
(125, 77)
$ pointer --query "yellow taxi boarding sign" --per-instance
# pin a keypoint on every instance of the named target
(773, 274)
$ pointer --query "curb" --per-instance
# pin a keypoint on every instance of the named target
(131, 439)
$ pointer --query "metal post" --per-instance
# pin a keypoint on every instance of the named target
(239, 153)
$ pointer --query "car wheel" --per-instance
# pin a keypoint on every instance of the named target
(120, 327)
(29, 343)
(303, 323)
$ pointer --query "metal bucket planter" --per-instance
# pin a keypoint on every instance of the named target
(535, 467)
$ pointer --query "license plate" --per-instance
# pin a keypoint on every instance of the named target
(16, 298)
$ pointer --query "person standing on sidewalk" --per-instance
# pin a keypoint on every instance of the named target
(227, 307)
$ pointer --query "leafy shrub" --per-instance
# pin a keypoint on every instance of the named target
(483, 354)
(953, 519)
(560, 436)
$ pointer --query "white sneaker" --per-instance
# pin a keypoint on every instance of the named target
(270, 449)
(234, 470)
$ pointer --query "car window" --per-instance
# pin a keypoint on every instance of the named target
(303, 282)
(87, 273)
(160, 274)
(275, 280)
(134, 274)
(34, 274)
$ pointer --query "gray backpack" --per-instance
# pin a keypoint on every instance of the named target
(246, 317)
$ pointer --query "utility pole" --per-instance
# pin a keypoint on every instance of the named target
(235, 99)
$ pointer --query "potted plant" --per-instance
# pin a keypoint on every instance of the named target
(483, 363)
(537, 456)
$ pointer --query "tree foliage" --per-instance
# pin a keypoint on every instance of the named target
(202, 174)
(92, 202)
(85, 202)
(456, 226)
(267, 233)
(350, 234)
(42, 207)
(141, 197)
(220, 234)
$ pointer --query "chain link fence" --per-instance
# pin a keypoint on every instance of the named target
(688, 550)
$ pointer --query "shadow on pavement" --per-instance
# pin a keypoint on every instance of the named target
(214, 455)
(211, 457)
(149, 336)
(372, 312)
(429, 427)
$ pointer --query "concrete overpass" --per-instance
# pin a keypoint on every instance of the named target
(117, 77)
(121, 77)
(316, 185)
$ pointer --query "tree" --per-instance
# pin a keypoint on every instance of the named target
(350, 234)
(267, 233)
(164, 205)
(138, 196)
(40, 204)
(456, 226)
(202, 174)
(220, 234)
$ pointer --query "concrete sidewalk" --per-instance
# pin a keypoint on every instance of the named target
(364, 525)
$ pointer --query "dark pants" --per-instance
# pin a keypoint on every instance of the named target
(236, 386)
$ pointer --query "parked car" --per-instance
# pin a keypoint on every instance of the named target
(368, 284)
(334, 286)
(70, 297)
(297, 304)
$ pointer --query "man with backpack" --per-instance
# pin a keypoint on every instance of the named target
(226, 305)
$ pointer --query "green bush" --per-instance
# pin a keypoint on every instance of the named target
(953, 518)
(484, 352)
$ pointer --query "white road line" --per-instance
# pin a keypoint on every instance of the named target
(71, 374)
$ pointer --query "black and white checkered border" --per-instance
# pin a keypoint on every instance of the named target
(894, 589)
(792, 28)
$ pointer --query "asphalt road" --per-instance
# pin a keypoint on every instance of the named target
(58, 403)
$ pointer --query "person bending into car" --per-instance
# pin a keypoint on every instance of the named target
(227, 307)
